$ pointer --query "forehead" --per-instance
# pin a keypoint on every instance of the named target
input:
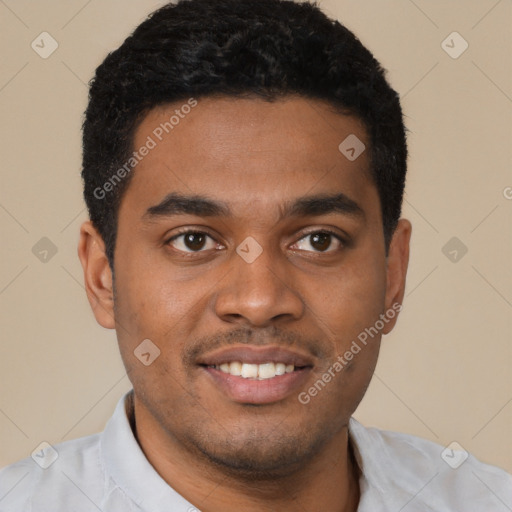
(249, 152)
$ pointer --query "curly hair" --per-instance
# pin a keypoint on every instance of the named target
(239, 48)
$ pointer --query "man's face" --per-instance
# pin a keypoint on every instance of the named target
(189, 276)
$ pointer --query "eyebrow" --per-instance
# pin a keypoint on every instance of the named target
(179, 204)
(320, 204)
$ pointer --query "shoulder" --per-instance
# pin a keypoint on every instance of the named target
(434, 476)
(50, 475)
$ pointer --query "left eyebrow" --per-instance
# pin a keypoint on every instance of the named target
(323, 204)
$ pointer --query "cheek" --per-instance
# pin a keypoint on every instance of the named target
(350, 300)
(147, 292)
(152, 304)
(152, 319)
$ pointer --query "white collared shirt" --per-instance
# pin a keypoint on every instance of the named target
(108, 472)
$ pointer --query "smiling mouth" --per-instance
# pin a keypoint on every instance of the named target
(249, 374)
(264, 371)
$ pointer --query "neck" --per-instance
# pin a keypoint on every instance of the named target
(329, 482)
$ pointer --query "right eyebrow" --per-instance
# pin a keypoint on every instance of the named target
(176, 204)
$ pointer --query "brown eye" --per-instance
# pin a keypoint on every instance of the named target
(320, 241)
(192, 241)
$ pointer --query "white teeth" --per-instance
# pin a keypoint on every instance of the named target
(235, 368)
(280, 368)
(267, 371)
(249, 371)
(255, 371)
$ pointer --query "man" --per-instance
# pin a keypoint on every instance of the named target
(244, 165)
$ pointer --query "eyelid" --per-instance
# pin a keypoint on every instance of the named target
(343, 238)
(187, 230)
(190, 229)
(344, 241)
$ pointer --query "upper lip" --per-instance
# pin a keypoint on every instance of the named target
(255, 355)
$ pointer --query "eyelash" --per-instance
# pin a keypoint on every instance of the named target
(186, 231)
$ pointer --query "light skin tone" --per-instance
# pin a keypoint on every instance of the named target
(261, 163)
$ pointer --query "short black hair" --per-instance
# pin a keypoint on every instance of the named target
(239, 48)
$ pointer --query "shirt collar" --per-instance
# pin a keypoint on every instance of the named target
(129, 468)
(389, 472)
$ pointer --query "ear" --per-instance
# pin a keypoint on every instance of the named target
(97, 275)
(397, 263)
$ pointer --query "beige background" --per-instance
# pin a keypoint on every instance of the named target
(445, 372)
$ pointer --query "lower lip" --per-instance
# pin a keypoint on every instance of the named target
(254, 391)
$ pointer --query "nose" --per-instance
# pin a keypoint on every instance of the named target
(259, 293)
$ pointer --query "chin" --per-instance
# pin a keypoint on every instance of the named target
(262, 457)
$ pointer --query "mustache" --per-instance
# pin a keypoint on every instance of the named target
(319, 348)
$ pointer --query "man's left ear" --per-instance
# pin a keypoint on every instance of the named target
(397, 263)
